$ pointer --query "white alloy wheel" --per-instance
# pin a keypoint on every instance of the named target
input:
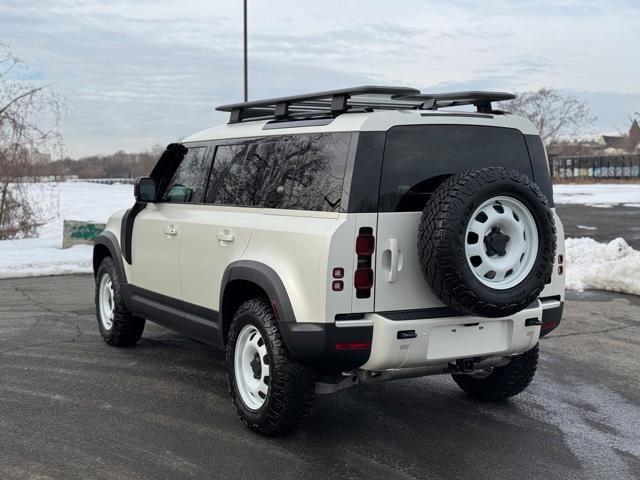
(501, 242)
(251, 367)
(106, 302)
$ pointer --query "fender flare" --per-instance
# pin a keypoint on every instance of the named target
(109, 240)
(305, 341)
(267, 279)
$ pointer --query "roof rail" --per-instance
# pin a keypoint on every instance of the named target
(357, 99)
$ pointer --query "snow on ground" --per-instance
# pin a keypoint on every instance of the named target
(598, 194)
(613, 266)
(589, 264)
(61, 201)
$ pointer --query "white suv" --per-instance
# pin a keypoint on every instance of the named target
(344, 237)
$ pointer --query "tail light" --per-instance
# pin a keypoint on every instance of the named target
(560, 264)
(363, 276)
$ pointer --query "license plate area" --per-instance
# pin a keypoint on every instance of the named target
(471, 339)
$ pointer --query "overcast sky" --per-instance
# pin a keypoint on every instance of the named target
(136, 73)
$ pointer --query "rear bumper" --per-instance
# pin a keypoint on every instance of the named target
(405, 339)
(551, 315)
(432, 341)
(327, 346)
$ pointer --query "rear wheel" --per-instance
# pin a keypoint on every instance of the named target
(501, 382)
(271, 391)
(117, 325)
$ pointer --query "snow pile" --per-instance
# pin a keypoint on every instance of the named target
(598, 194)
(59, 201)
(612, 266)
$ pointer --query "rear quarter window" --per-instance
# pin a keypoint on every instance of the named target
(418, 157)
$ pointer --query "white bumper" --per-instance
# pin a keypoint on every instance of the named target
(440, 340)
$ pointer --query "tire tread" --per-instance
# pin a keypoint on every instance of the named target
(441, 235)
(291, 385)
(127, 328)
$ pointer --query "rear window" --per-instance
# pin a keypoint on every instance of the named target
(418, 157)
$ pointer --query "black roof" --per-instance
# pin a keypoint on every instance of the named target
(357, 99)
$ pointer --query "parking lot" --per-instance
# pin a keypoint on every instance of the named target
(601, 224)
(72, 407)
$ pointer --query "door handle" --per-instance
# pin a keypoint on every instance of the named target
(170, 230)
(395, 263)
(226, 237)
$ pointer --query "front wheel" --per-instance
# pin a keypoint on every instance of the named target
(271, 391)
(501, 382)
(118, 326)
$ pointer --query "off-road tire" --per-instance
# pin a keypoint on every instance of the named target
(291, 384)
(126, 329)
(441, 241)
(502, 382)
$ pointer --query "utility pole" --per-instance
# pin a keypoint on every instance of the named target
(246, 74)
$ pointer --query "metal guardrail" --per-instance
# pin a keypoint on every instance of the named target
(605, 166)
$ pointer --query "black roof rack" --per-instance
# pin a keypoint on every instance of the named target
(357, 99)
(481, 100)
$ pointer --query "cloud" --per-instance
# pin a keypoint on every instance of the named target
(145, 72)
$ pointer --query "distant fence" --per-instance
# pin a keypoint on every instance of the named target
(108, 181)
(74, 178)
(607, 166)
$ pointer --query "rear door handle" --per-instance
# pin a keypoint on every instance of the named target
(392, 260)
(392, 245)
(170, 230)
(226, 237)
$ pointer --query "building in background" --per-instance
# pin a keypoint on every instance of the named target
(626, 143)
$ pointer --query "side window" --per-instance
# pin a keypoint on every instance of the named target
(264, 172)
(188, 182)
(226, 173)
(301, 172)
(316, 174)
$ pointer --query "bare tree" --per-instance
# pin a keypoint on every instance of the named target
(29, 116)
(556, 115)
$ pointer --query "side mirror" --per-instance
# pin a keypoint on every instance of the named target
(145, 189)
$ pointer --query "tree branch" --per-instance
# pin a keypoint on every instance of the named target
(20, 97)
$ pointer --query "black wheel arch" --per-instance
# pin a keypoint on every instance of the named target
(107, 245)
(244, 279)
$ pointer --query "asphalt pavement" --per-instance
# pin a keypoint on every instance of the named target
(73, 407)
(603, 223)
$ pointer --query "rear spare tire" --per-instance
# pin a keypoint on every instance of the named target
(487, 241)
